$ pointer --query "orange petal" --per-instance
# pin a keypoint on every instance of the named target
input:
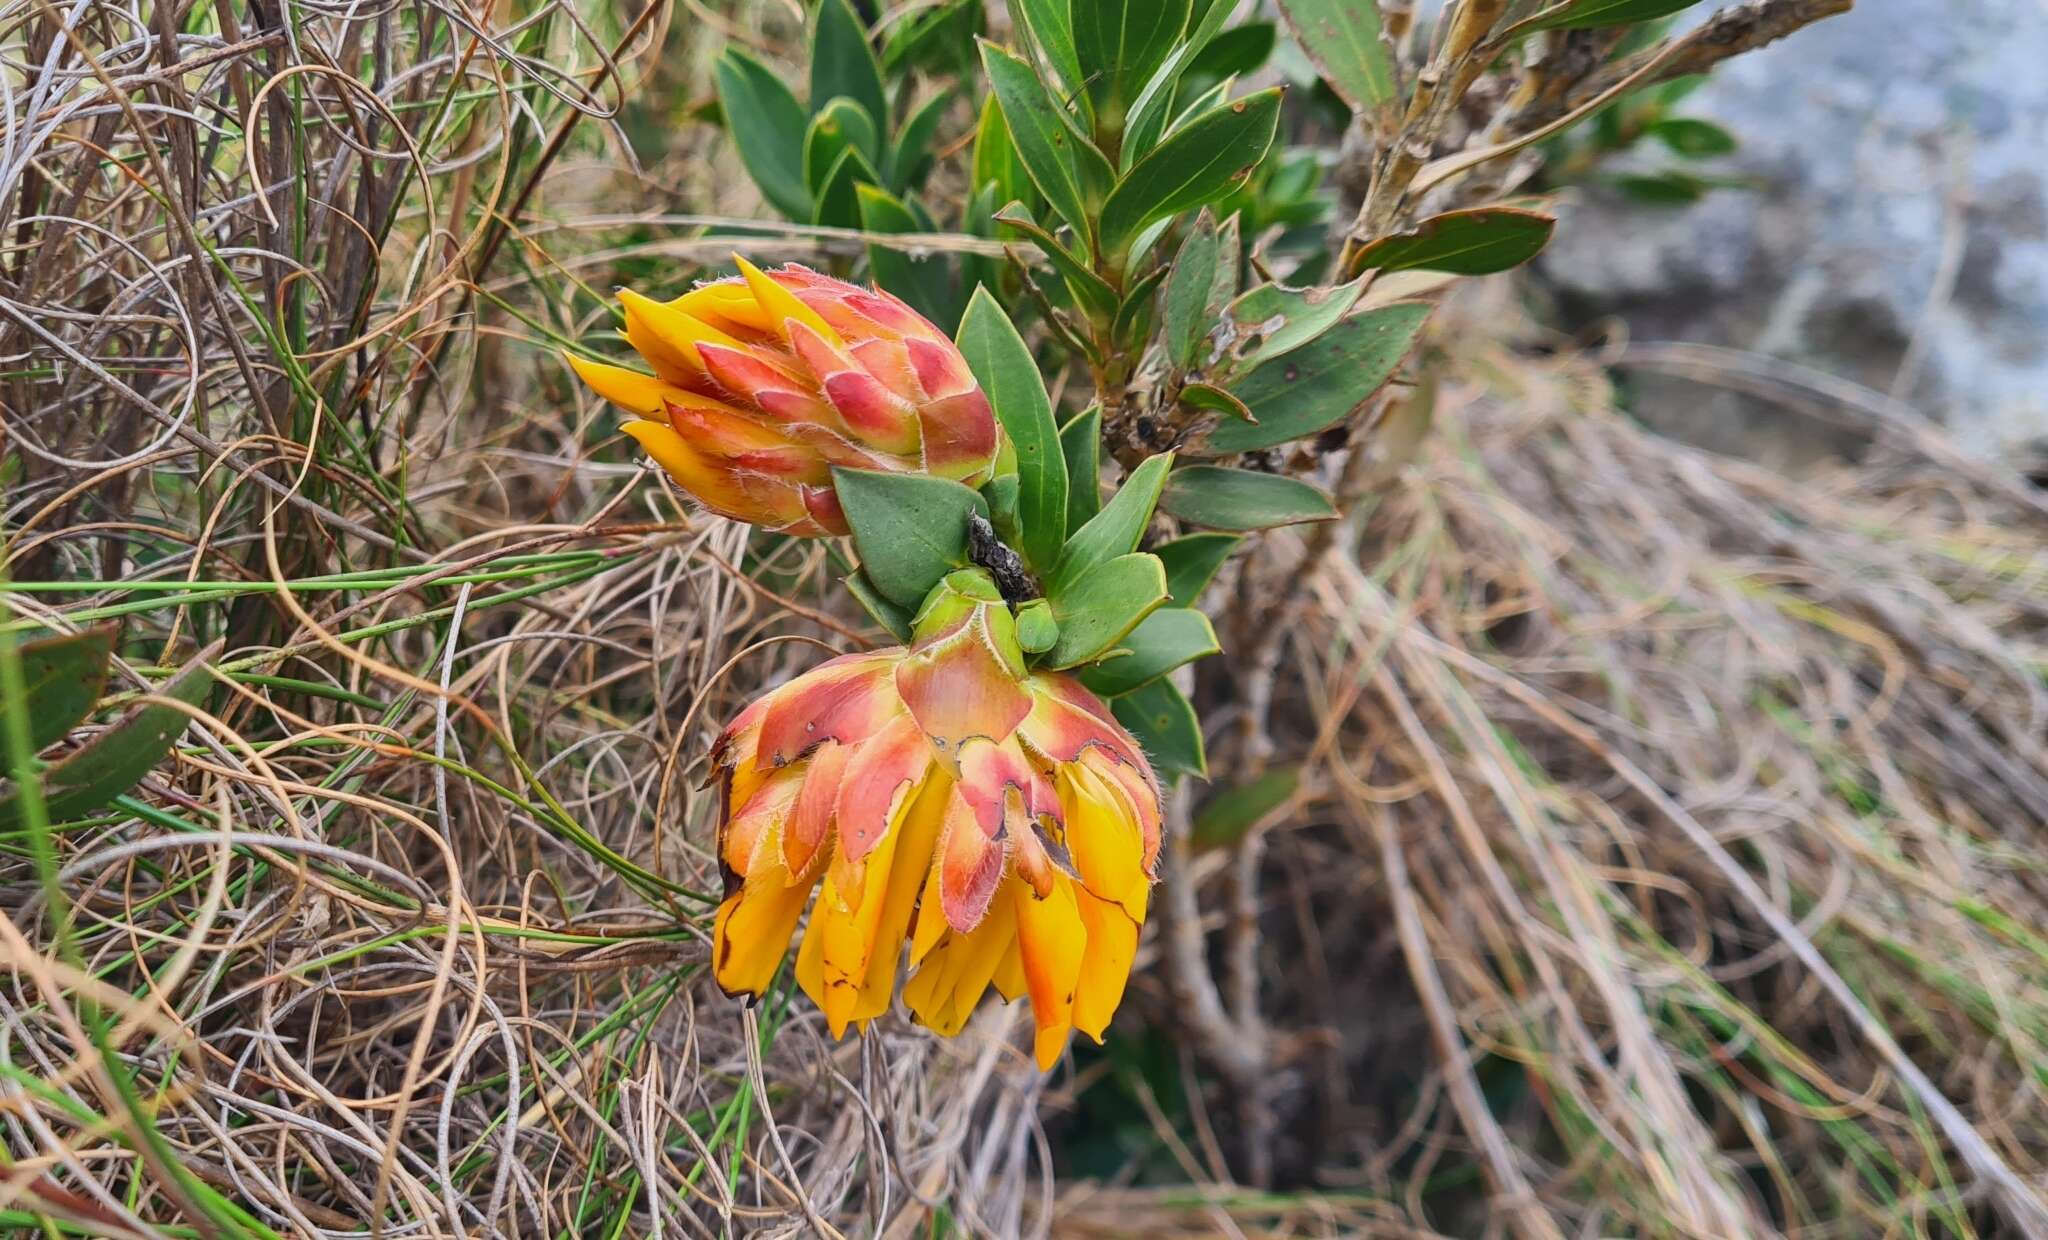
(810, 816)
(753, 498)
(743, 836)
(1105, 965)
(1053, 941)
(885, 768)
(845, 701)
(994, 777)
(959, 685)
(970, 866)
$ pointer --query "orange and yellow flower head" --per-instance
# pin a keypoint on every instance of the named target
(764, 381)
(997, 823)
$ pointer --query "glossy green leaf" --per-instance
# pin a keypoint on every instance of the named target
(1242, 499)
(1121, 43)
(1342, 37)
(117, 759)
(1586, 14)
(1097, 609)
(768, 127)
(1003, 364)
(1316, 385)
(1037, 630)
(1235, 52)
(836, 128)
(910, 529)
(909, 159)
(1191, 563)
(1090, 291)
(1153, 107)
(1232, 813)
(837, 201)
(1693, 138)
(894, 619)
(1164, 722)
(1062, 164)
(996, 161)
(63, 676)
(1049, 25)
(1163, 641)
(922, 280)
(843, 64)
(1475, 242)
(1271, 320)
(1195, 165)
(1115, 530)
(1081, 444)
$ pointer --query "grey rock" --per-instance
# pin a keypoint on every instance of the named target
(1897, 234)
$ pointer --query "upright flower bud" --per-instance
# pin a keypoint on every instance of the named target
(764, 381)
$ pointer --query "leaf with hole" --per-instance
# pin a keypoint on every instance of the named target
(1200, 284)
(117, 759)
(1271, 320)
(1475, 242)
(1115, 530)
(1163, 721)
(910, 529)
(1242, 499)
(1097, 609)
(1199, 163)
(1315, 386)
(767, 126)
(1342, 37)
(1191, 563)
(1002, 363)
(843, 64)
(1163, 641)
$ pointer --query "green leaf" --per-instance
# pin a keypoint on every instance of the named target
(1154, 104)
(840, 126)
(1050, 27)
(1200, 285)
(1096, 610)
(1271, 320)
(1693, 138)
(1133, 325)
(910, 529)
(883, 612)
(837, 204)
(1475, 242)
(1090, 291)
(1318, 384)
(922, 281)
(1164, 722)
(1001, 494)
(843, 64)
(1081, 445)
(1191, 563)
(909, 159)
(1235, 52)
(767, 126)
(1590, 13)
(1061, 163)
(996, 161)
(1201, 162)
(1002, 362)
(1165, 639)
(117, 759)
(1115, 530)
(1241, 499)
(1212, 399)
(1121, 43)
(64, 676)
(1665, 189)
(938, 40)
(1231, 813)
(1037, 630)
(1342, 37)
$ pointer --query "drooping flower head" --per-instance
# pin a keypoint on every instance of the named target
(999, 822)
(764, 381)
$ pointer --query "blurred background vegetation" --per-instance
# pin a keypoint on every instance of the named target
(1605, 836)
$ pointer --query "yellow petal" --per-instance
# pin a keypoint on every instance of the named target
(1053, 940)
(753, 928)
(668, 336)
(931, 919)
(920, 836)
(1009, 978)
(728, 300)
(779, 305)
(856, 899)
(645, 395)
(1106, 965)
(1104, 840)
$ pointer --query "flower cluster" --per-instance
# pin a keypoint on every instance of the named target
(998, 822)
(764, 381)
